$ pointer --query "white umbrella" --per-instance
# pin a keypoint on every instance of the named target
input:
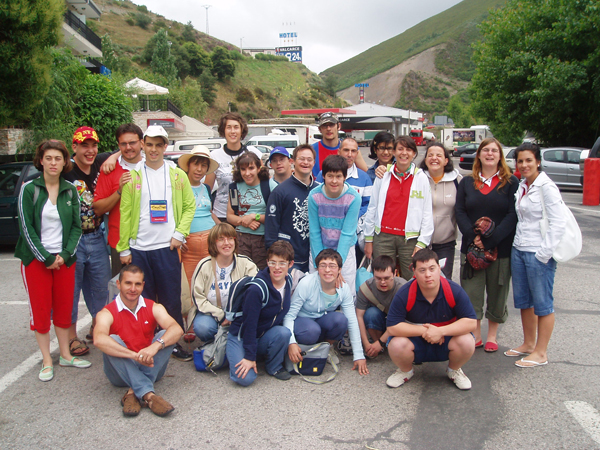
(146, 88)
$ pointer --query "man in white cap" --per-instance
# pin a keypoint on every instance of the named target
(157, 209)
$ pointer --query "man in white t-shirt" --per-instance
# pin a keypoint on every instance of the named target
(157, 209)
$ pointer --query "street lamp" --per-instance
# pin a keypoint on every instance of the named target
(206, 8)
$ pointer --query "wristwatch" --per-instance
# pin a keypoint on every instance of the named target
(161, 342)
(257, 217)
(381, 343)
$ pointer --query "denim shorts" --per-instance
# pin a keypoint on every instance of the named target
(533, 282)
(426, 352)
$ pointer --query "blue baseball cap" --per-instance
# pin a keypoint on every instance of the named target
(279, 151)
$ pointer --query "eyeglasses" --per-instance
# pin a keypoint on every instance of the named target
(305, 160)
(490, 150)
(280, 264)
(388, 149)
(130, 144)
(328, 266)
(223, 239)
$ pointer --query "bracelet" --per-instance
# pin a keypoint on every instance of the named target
(118, 192)
(381, 343)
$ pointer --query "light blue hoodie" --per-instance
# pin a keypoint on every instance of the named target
(307, 301)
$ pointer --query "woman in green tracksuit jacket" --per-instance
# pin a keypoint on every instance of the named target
(50, 224)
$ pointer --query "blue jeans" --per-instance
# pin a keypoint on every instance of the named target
(533, 282)
(272, 346)
(330, 327)
(125, 372)
(205, 327)
(374, 319)
(92, 273)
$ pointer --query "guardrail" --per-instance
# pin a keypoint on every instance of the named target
(159, 105)
(73, 21)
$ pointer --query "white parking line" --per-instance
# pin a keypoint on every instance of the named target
(10, 259)
(25, 303)
(35, 359)
(587, 416)
(593, 211)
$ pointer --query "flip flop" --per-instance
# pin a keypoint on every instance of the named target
(490, 347)
(478, 344)
(79, 349)
(529, 363)
(513, 352)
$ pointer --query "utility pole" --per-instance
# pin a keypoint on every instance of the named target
(206, 8)
(241, 47)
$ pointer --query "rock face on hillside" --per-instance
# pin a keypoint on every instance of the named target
(384, 88)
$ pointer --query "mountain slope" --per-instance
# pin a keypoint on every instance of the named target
(442, 28)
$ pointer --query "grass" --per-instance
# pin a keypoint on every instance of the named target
(448, 26)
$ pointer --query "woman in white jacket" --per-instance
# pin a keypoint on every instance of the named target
(443, 180)
(399, 220)
(533, 267)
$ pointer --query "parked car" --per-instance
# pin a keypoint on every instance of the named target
(561, 164)
(12, 177)
(466, 161)
(468, 149)
(288, 141)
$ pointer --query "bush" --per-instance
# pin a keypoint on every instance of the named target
(142, 20)
(266, 57)
(244, 95)
(142, 8)
(130, 21)
(158, 25)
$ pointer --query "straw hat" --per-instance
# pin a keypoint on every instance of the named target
(198, 150)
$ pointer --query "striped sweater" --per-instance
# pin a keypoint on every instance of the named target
(333, 221)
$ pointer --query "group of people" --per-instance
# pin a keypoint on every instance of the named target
(181, 235)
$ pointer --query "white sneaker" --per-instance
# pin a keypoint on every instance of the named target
(398, 378)
(460, 379)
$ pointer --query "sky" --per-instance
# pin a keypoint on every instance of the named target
(329, 32)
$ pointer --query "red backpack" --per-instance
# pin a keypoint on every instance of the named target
(412, 297)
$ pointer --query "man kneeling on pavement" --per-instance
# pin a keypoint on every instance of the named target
(134, 356)
(430, 319)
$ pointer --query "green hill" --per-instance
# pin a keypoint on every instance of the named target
(456, 27)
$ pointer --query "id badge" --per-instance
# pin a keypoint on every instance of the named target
(158, 211)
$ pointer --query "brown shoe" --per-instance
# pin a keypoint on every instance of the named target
(159, 405)
(131, 405)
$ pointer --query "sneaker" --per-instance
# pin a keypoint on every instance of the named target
(46, 376)
(158, 405)
(74, 362)
(180, 354)
(282, 374)
(344, 347)
(460, 379)
(333, 356)
(398, 378)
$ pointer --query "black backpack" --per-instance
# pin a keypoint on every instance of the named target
(265, 189)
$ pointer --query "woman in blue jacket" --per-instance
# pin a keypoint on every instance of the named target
(50, 230)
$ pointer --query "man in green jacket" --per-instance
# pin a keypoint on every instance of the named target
(157, 209)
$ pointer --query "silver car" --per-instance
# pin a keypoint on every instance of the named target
(561, 164)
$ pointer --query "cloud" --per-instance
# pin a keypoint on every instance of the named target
(329, 32)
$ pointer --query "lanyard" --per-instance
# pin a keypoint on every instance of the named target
(147, 182)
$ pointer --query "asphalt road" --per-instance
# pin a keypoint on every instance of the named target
(555, 406)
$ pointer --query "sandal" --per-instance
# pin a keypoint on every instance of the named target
(158, 405)
(79, 349)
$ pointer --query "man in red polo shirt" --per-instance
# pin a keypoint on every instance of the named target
(134, 356)
(107, 197)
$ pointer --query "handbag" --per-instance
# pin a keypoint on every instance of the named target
(211, 356)
(363, 273)
(571, 242)
(314, 359)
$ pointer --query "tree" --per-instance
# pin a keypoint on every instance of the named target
(330, 83)
(222, 65)
(188, 33)
(538, 69)
(103, 105)
(29, 30)
(198, 58)
(189, 98)
(163, 62)
(207, 83)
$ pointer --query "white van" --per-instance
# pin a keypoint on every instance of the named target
(288, 141)
(173, 152)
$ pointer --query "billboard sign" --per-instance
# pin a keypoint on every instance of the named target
(294, 54)
(464, 136)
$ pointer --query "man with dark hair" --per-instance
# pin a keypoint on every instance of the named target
(134, 356)
(233, 128)
(92, 272)
(259, 332)
(430, 319)
(333, 209)
(329, 126)
(373, 301)
(107, 197)
(157, 209)
(287, 209)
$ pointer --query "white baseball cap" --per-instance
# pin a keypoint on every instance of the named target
(156, 131)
